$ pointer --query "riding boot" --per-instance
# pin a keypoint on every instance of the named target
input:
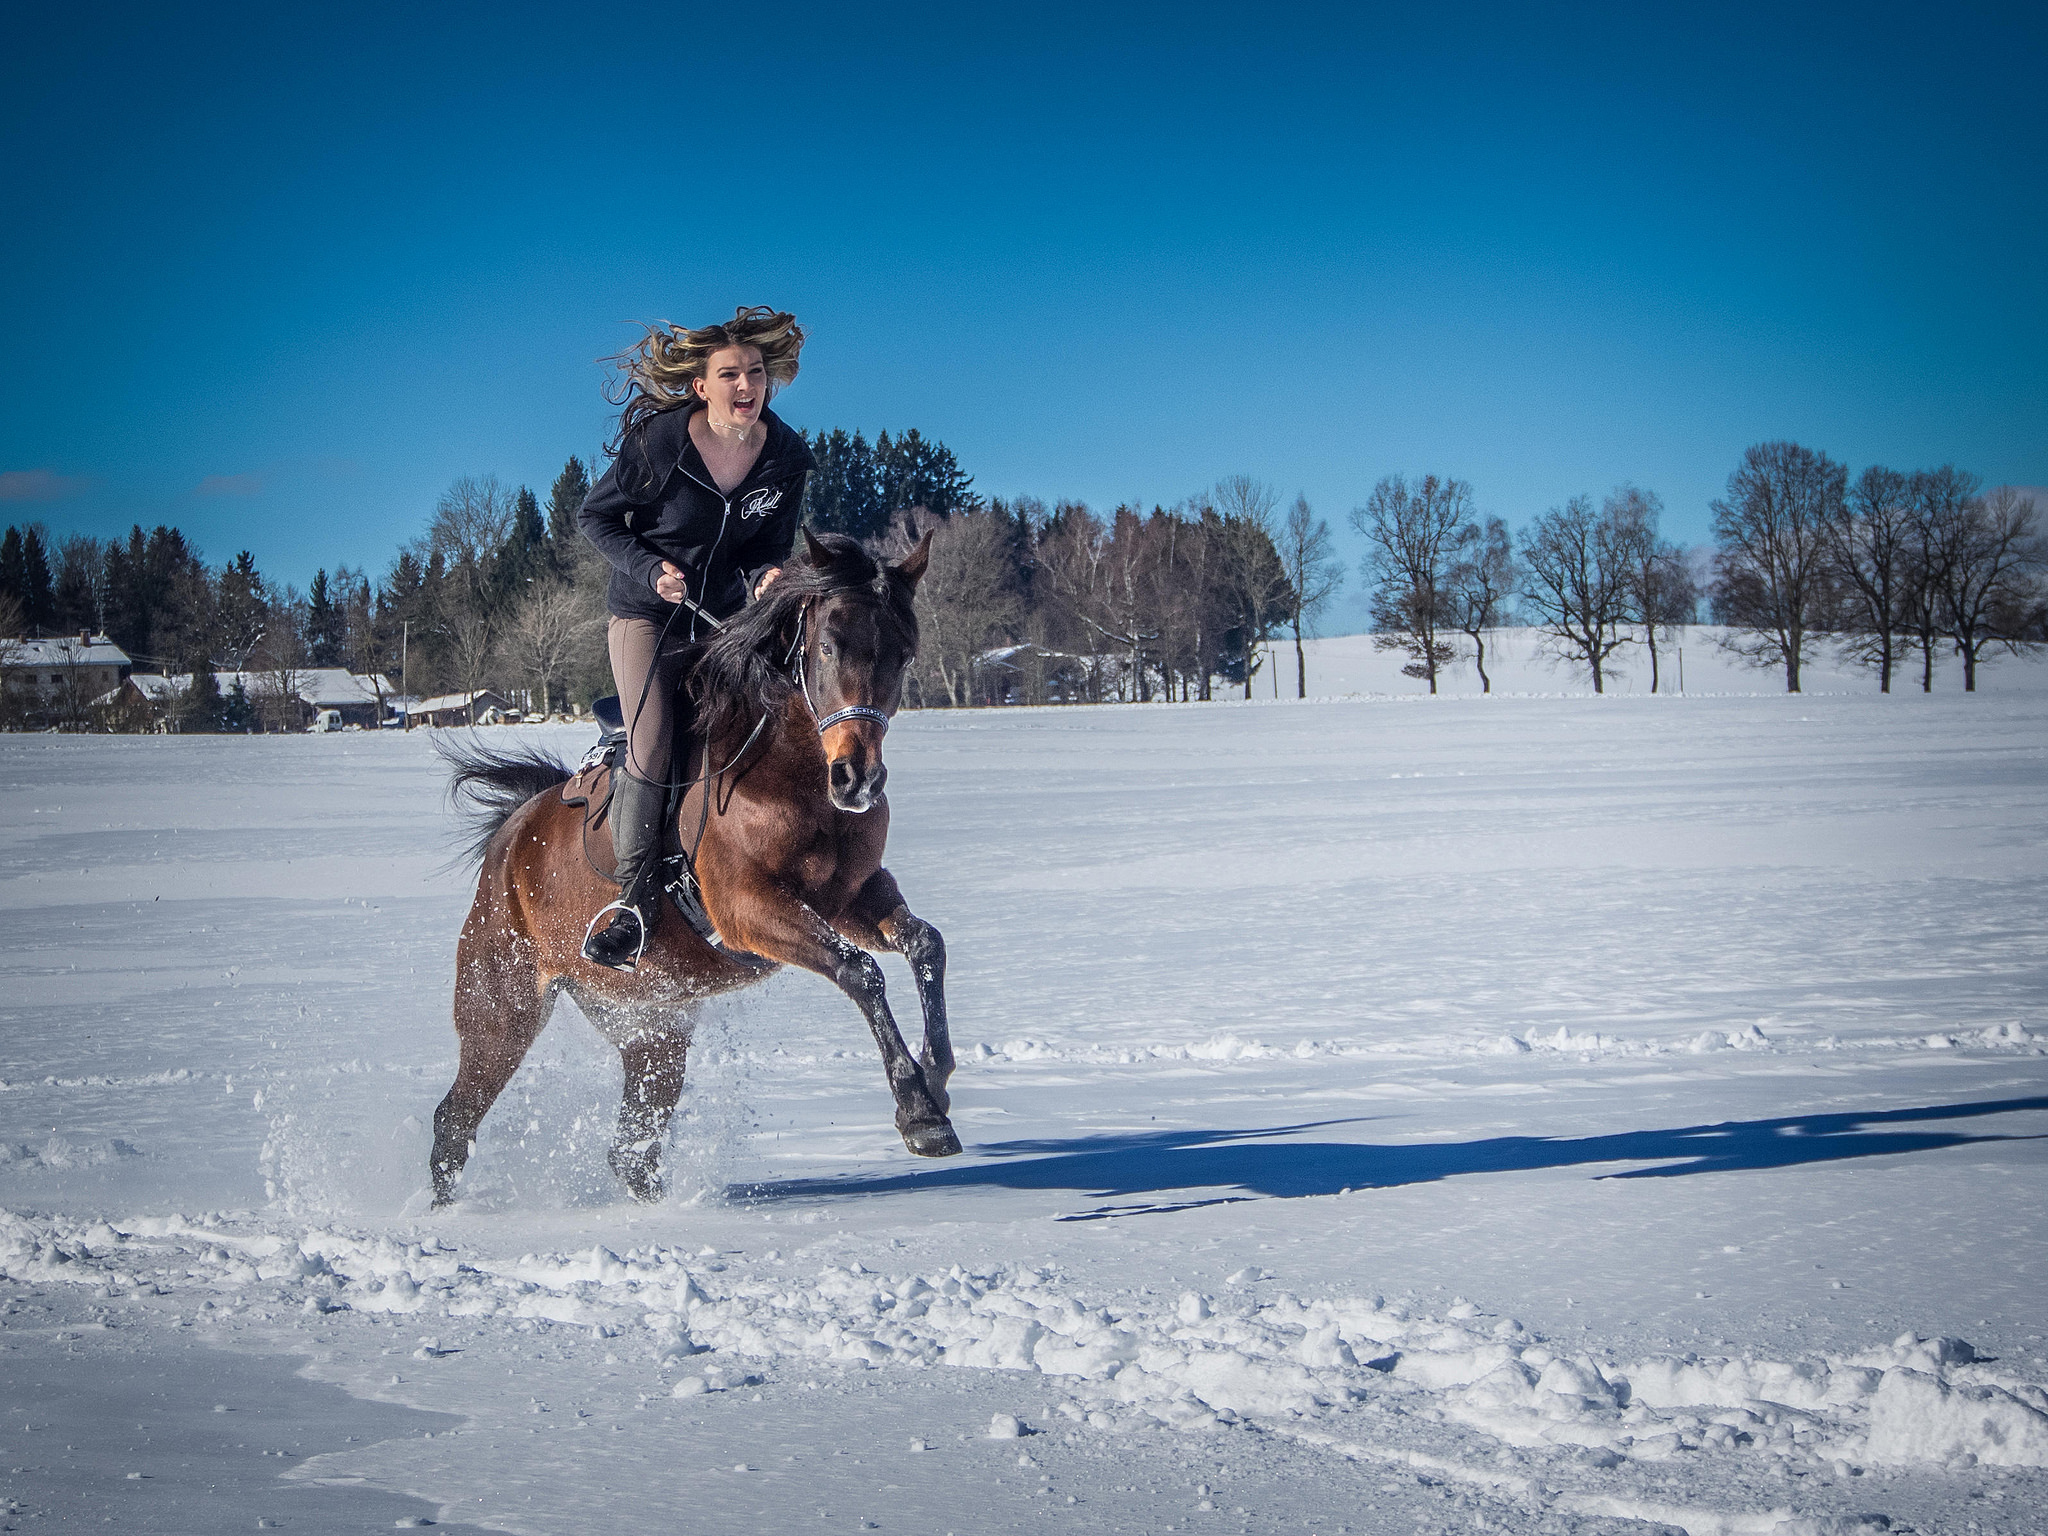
(636, 816)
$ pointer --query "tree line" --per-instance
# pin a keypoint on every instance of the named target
(1030, 602)
(1892, 569)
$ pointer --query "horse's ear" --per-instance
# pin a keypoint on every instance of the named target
(815, 551)
(911, 566)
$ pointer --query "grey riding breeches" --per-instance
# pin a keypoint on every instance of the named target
(653, 709)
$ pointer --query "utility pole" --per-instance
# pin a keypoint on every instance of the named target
(404, 678)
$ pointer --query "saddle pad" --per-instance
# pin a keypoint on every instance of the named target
(591, 782)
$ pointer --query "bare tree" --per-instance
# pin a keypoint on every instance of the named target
(1772, 581)
(472, 642)
(1989, 552)
(1250, 571)
(1197, 559)
(1872, 538)
(365, 645)
(543, 632)
(1940, 497)
(966, 601)
(1071, 549)
(471, 522)
(1412, 538)
(1574, 563)
(1308, 557)
(1657, 584)
(280, 661)
(1480, 586)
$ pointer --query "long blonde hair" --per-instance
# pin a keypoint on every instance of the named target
(656, 373)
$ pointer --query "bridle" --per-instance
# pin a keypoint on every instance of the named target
(797, 653)
(795, 662)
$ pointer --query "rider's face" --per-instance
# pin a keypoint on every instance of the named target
(735, 386)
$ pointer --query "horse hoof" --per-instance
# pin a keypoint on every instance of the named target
(933, 1141)
(642, 1179)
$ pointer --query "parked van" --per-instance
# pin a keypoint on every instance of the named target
(327, 720)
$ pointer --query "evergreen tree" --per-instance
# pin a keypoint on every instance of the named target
(81, 561)
(242, 607)
(13, 576)
(326, 623)
(30, 581)
(525, 554)
(408, 604)
(858, 489)
(202, 708)
(128, 595)
(238, 711)
(183, 623)
(842, 496)
(914, 471)
(565, 500)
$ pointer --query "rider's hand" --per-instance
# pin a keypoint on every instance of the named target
(767, 579)
(668, 586)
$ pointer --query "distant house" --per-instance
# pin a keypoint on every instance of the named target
(160, 693)
(58, 678)
(482, 707)
(359, 698)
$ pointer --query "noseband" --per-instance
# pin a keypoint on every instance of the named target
(797, 653)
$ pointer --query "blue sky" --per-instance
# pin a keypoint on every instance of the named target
(279, 279)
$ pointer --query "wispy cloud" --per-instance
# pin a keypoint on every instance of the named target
(229, 485)
(38, 485)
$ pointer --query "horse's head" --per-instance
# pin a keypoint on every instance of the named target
(858, 640)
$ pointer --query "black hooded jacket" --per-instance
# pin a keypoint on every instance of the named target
(658, 502)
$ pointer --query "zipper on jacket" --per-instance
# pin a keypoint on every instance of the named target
(711, 556)
(724, 517)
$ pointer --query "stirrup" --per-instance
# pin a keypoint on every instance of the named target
(639, 949)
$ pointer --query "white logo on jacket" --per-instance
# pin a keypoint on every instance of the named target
(760, 503)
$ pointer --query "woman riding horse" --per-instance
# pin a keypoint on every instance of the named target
(787, 822)
(697, 512)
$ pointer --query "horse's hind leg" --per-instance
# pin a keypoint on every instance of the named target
(498, 1013)
(654, 1081)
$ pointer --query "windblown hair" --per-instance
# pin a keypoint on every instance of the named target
(656, 374)
(490, 785)
(743, 669)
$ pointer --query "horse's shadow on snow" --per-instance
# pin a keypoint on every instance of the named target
(1257, 1162)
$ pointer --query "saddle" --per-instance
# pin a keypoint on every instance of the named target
(591, 787)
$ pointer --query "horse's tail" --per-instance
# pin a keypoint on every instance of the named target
(490, 785)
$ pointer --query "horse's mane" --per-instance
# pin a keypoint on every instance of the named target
(742, 670)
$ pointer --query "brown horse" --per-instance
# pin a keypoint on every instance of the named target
(794, 695)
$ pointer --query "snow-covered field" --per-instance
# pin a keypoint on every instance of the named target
(1535, 1114)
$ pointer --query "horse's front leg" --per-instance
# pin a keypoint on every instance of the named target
(880, 908)
(782, 927)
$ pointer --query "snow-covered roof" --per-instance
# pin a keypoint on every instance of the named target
(451, 701)
(332, 687)
(64, 651)
(157, 688)
(321, 687)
